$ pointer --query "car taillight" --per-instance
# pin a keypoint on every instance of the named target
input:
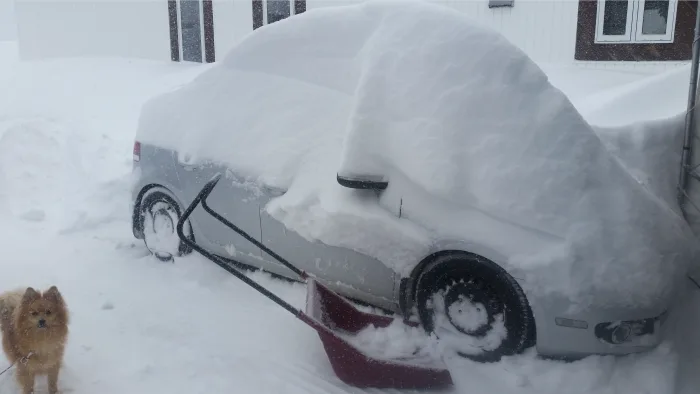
(137, 151)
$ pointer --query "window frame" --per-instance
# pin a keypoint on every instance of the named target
(656, 38)
(266, 15)
(600, 20)
(206, 31)
(634, 23)
(295, 7)
(501, 3)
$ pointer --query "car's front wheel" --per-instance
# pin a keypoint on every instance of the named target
(159, 215)
(474, 307)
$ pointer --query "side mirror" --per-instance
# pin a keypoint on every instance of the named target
(373, 182)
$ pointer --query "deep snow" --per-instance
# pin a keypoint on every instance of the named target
(477, 143)
(647, 133)
(632, 102)
(140, 326)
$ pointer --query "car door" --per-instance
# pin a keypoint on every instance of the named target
(344, 270)
(232, 200)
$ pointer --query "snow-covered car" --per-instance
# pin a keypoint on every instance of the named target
(414, 160)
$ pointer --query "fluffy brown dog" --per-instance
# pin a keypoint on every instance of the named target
(34, 333)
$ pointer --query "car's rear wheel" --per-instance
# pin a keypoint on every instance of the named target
(159, 215)
(474, 307)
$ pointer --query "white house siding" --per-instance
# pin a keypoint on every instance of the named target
(545, 30)
(51, 28)
(232, 21)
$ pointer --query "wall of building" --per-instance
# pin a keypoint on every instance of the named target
(545, 29)
(131, 28)
(233, 19)
(51, 28)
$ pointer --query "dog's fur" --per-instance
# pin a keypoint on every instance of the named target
(24, 334)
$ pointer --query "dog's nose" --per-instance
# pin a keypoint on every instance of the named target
(42, 323)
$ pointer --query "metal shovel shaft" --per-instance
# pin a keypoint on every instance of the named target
(201, 198)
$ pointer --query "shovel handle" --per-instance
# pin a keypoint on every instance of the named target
(242, 233)
(201, 198)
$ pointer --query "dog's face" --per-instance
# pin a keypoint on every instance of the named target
(42, 311)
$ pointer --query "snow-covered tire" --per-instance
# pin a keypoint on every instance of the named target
(475, 308)
(159, 214)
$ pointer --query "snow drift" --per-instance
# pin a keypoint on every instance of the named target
(638, 101)
(120, 333)
(446, 110)
(646, 134)
(651, 152)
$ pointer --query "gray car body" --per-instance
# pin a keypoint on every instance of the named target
(348, 272)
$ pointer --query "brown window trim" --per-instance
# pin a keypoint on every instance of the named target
(679, 49)
(174, 40)
(257, 14)
(208, 16)
(299, 6)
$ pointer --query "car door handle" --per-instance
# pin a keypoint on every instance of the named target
(188, 163)
(191, 167)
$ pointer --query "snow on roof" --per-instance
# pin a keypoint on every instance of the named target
(439, 106)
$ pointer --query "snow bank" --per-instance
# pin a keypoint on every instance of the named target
(651, 152)
(642, 123)
(61, 122)
(580, 83)
(660, 96)
(379, 88)
(184, 310)
(651, 372)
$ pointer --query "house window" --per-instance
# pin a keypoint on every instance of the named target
(191, 30)
(278, 10)
(271, 11)
(635, 21)
(191, 25)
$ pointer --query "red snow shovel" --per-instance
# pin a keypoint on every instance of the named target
(329, 313)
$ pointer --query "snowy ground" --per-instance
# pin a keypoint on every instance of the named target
(140, 326)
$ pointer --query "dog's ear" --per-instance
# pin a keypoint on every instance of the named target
(53, 294)
(30, 295)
